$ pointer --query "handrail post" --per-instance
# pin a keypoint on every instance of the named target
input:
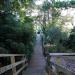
(49, 66)
(23, 59)
(12, 62)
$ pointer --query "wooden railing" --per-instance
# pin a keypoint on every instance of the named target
(14, 63)
(55, 59)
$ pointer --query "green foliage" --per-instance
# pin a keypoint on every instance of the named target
(70, 42)
(52, 49)
(57, 4)
(54, 31)
(46, 5)
(61, 4)
(72, 2)
(54, 34)
(3, 50)
(16, 29)
(55, 13)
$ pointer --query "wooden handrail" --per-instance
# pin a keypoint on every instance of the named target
(7, 55)
(64, 69)
(62, 54)
(13, 63)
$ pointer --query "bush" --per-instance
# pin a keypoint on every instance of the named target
(70, 42)
(21, 48)
(3, 50)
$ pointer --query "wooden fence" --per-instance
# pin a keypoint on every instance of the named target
(14, 64)
(59, 67)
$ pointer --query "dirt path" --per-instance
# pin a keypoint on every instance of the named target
(37, 65)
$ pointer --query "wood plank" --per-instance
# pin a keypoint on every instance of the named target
(12, 62)
(8, 67)
(20, 69)
(62, 54)
(7, 55)
(5, 68)
(63, 68)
